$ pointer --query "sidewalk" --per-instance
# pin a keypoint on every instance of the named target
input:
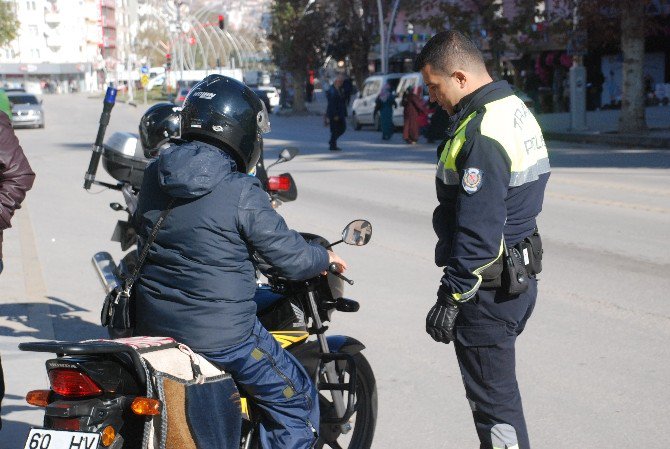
(602, 128)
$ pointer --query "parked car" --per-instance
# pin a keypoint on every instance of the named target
(408, 81)
(26, 110)
(363, 107)
(269, 95)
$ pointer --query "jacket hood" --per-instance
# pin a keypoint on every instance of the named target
(192, 169)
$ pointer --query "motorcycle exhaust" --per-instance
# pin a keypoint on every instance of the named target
(106, 268)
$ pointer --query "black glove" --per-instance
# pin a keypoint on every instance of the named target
(441, 318)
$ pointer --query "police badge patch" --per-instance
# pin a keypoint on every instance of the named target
(472, 180)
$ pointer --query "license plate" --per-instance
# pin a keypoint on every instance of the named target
(61, 439)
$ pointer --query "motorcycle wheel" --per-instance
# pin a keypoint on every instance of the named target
(362, 423)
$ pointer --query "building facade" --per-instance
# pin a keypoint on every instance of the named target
(67, 45)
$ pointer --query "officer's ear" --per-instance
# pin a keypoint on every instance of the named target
(461, 78)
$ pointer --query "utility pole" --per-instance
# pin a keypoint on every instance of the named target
(577, 74)
(181, 50)
(382, 42)
(394, 13)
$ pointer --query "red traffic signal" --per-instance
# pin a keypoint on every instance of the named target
(221, 22)
(168, 61)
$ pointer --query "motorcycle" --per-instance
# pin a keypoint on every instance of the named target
(93, 384)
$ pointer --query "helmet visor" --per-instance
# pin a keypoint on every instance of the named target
(263, 120)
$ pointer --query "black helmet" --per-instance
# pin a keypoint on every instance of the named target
(227, 114)
(157, 126)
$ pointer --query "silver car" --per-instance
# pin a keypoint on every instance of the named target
(26, 110)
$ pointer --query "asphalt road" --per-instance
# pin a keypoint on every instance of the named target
(592, 363)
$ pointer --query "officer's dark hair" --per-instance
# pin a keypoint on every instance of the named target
(449, 51)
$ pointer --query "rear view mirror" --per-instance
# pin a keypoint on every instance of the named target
(357, 233)
(288, 153)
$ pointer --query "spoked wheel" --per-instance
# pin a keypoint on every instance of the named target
(362, 422)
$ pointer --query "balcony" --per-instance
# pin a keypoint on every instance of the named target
(54, 42)
(52, 18)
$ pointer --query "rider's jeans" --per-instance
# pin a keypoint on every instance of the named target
(279, 386)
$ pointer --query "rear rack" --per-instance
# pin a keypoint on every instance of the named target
(61, 348)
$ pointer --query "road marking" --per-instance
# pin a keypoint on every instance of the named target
(39, 313)
(609, 203)
(611, 185)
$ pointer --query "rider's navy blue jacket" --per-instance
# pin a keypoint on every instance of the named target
(198, 282)
(491, 175)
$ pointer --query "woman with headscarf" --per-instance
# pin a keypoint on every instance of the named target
(413, 106)
(384, 104)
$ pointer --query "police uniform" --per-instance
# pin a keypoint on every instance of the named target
(490, 180)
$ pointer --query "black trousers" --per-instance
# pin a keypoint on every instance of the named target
(338, 126)
(486, 331)
(2, 389)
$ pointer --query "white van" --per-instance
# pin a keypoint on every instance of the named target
(408, 81)
(363, 107)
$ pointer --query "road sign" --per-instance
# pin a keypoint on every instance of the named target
(144, 79)
(144, 69)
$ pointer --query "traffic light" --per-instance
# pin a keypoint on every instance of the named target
(168, 61)
(222, 24)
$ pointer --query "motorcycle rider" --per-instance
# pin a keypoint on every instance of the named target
(158, 125)
(198, 282)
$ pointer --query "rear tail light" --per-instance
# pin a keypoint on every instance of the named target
(279, 183)
(65, 424)
(73, 383)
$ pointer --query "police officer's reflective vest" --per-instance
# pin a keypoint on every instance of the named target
(508, 122)
(523, 144)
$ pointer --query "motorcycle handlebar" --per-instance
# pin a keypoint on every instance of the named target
(334, 268)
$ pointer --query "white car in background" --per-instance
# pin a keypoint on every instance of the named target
(363, 107)
(269, 95)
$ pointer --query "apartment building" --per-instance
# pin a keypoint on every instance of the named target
(68, 45)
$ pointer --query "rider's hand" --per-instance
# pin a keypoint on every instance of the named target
(334, 258)
(442, 317)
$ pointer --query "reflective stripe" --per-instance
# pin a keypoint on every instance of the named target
(530, 174)
(470, 293)
(447, 176)
(504, 436)
(446, 166)
(520, 136)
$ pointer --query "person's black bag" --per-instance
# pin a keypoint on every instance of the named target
(118, 308)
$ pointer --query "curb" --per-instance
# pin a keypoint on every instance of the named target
(626, 140)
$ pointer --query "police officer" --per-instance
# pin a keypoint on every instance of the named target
(491, 175)
(198, 282)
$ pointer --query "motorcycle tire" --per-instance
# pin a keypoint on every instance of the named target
(363, 422)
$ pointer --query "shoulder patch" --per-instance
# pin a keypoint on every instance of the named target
(472, 180)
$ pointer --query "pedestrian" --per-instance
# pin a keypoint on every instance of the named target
(336, 112)
(384, 105)
(413, 106)
(16, 178)
(199, 282)
(491, 175)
